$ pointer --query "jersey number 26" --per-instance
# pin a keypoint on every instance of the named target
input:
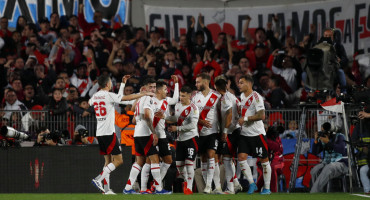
(100, 109)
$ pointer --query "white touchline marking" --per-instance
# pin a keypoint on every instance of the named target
(362, 195)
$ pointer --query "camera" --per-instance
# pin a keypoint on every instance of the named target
(10, 132)
(83, 133)
(54, 135)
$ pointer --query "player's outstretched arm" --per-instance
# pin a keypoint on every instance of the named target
(136, 96)
(176, 93)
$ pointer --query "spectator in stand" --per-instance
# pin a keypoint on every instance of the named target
(88, 28)
(286, 67)
(276, 96)
(57, 109)
(47, 34)
(18, 88)
(208, 65)
(55, 22)
(21, 23)
(31, 98)
(43, 79)
(31, 120)
(73, 95)
(198, 47)
(4, 31)
(84, 112)
(258, 57)
(11, 103)
(81, 80)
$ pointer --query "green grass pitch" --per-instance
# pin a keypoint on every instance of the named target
(241, 196)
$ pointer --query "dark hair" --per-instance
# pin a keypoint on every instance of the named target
(204, 76)
(10, 90)
(103, 81)
(260, 29)
(248, 78)
(276, 80)
(32, 27)
(186, 89)
(221, 84)
(160, 84)
(148, 81)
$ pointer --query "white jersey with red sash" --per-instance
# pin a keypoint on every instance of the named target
(250, 106)
(208, 111)
(142, 129)
(159, 124)
(187, 119)
(229, 101)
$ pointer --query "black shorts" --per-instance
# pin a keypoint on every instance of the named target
(208, 142)
(230, 147)
(187, 150)
(109, 145)
(144, 146)
(255, 146)
(164, 147)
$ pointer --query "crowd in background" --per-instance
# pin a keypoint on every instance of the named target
(53, 65)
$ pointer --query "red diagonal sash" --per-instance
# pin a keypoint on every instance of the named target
(82, 86)
(211, 101)
(156, 119)
(183, 115)
(246, 106)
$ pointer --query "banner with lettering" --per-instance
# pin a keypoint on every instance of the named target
(38, 9)
(351, 17)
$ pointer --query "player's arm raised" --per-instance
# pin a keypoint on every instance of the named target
(228, 118)
(136, 96)
(176, 94)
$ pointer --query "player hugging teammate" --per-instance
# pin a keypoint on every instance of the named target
(216, 125)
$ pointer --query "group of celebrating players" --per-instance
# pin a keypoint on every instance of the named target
(208, 122)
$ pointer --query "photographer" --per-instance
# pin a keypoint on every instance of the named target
(81, 136)
(45, 138)
(361, 137)
(333, 163)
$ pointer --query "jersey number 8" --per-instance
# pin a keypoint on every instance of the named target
(100, 109)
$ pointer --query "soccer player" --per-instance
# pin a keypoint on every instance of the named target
(103, 102)
(230, 133)
(160, 102)
(186, 116)
(146, 140)
(252, 139)
(206, 100)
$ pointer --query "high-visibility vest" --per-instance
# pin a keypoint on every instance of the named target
(127, 132)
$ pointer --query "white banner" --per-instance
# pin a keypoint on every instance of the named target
(351, 17)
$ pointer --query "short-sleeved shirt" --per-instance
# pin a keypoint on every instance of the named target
(229, 101)
(207, 106)
(250, 106)
(142, 129)
(103, 102)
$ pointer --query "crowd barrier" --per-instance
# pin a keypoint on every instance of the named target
(30, 121)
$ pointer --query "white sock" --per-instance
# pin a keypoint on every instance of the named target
(163, 168)
(266, 174)
(190, 173)
(106, 183)
(145, 177)
(246, 170)
(229, 175)
(235, 180)
(210, 172)
(204, 167)
(216, 177)
(181, 167)
(135, 170)
(107, 170)
(156, 172)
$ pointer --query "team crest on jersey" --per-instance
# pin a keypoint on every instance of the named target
(212, 100)
(155, 103)
(151, 101)
(199, 101)
(186, 112)
(165, 106)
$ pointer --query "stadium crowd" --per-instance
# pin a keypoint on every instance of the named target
(54, 66)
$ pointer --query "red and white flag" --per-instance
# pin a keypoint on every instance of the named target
(333, 105)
